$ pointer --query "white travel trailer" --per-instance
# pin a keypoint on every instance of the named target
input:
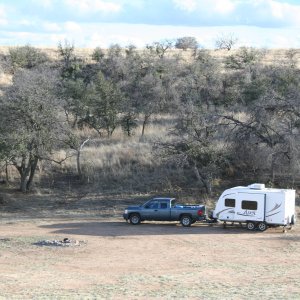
(257, 206)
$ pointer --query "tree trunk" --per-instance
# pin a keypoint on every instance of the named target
(74, 125)
(273, 167)
(203, 179)
(78, 163)
(6, 172)
(33, 165)
(79, 171)
(24, 170)
(23, 186)
(145, 122)
(207, 185)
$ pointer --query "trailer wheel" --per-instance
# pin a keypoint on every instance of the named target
(186, 221)
(250, 225)
(262, 226)
(135, 219)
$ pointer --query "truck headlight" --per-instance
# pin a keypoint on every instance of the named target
(126, 211)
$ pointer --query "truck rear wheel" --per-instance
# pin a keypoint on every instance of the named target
(186, 221)
(251, 225)
(135, 219)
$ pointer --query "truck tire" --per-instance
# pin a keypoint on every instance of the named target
(251, 225)
(135, 219)
(186, 221)
(262, 226)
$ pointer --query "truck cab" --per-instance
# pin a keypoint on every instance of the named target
(158, 209)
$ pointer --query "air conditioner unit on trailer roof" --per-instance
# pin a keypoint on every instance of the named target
(256, 186)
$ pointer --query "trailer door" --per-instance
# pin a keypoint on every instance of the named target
(250, 207)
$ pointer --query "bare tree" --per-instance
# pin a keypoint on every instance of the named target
(160, 48)
(226, 41)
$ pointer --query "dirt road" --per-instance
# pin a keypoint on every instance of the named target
(153, 260)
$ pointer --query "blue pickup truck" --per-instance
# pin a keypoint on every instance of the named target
(165, 209)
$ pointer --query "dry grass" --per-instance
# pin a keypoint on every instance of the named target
(271, 55)
(123, 162)
(5, 79)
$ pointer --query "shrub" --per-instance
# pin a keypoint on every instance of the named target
(27, 57)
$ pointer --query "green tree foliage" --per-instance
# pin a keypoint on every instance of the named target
(201, 84)
(186, 42)
(26, 57)
(98, 54)
(128, 123)
(71, 64)
(226, 112)
(104, 106)
(30, 122)
(194, 144)
(271, 115)
(244, 58)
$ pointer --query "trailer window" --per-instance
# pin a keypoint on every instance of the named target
(252, 205)
(230, 202)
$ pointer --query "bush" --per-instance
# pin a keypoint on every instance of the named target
(27, 57)
(187, 42)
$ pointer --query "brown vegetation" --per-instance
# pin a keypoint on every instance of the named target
(85, 138)
(151, 154)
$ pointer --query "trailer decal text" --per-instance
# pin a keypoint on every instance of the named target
(247, 213)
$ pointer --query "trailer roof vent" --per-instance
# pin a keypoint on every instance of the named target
(256, 186)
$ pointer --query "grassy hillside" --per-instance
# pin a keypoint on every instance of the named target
(130, 165)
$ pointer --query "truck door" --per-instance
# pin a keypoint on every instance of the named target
(164, 212)
(250, 207)
(157, 210)
(151, 210)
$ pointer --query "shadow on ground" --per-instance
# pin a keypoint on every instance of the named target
(121, 228)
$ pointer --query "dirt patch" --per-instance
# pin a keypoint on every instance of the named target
(153, 260)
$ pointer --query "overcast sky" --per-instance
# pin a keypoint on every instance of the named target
(100, 23)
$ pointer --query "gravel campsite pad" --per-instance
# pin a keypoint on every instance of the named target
(108, 258)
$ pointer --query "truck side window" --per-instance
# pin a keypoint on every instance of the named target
(152, 205)
(252, 205)
(230, 202)
(163, 205)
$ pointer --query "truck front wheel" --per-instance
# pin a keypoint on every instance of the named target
(135, 219)
(186, 221)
